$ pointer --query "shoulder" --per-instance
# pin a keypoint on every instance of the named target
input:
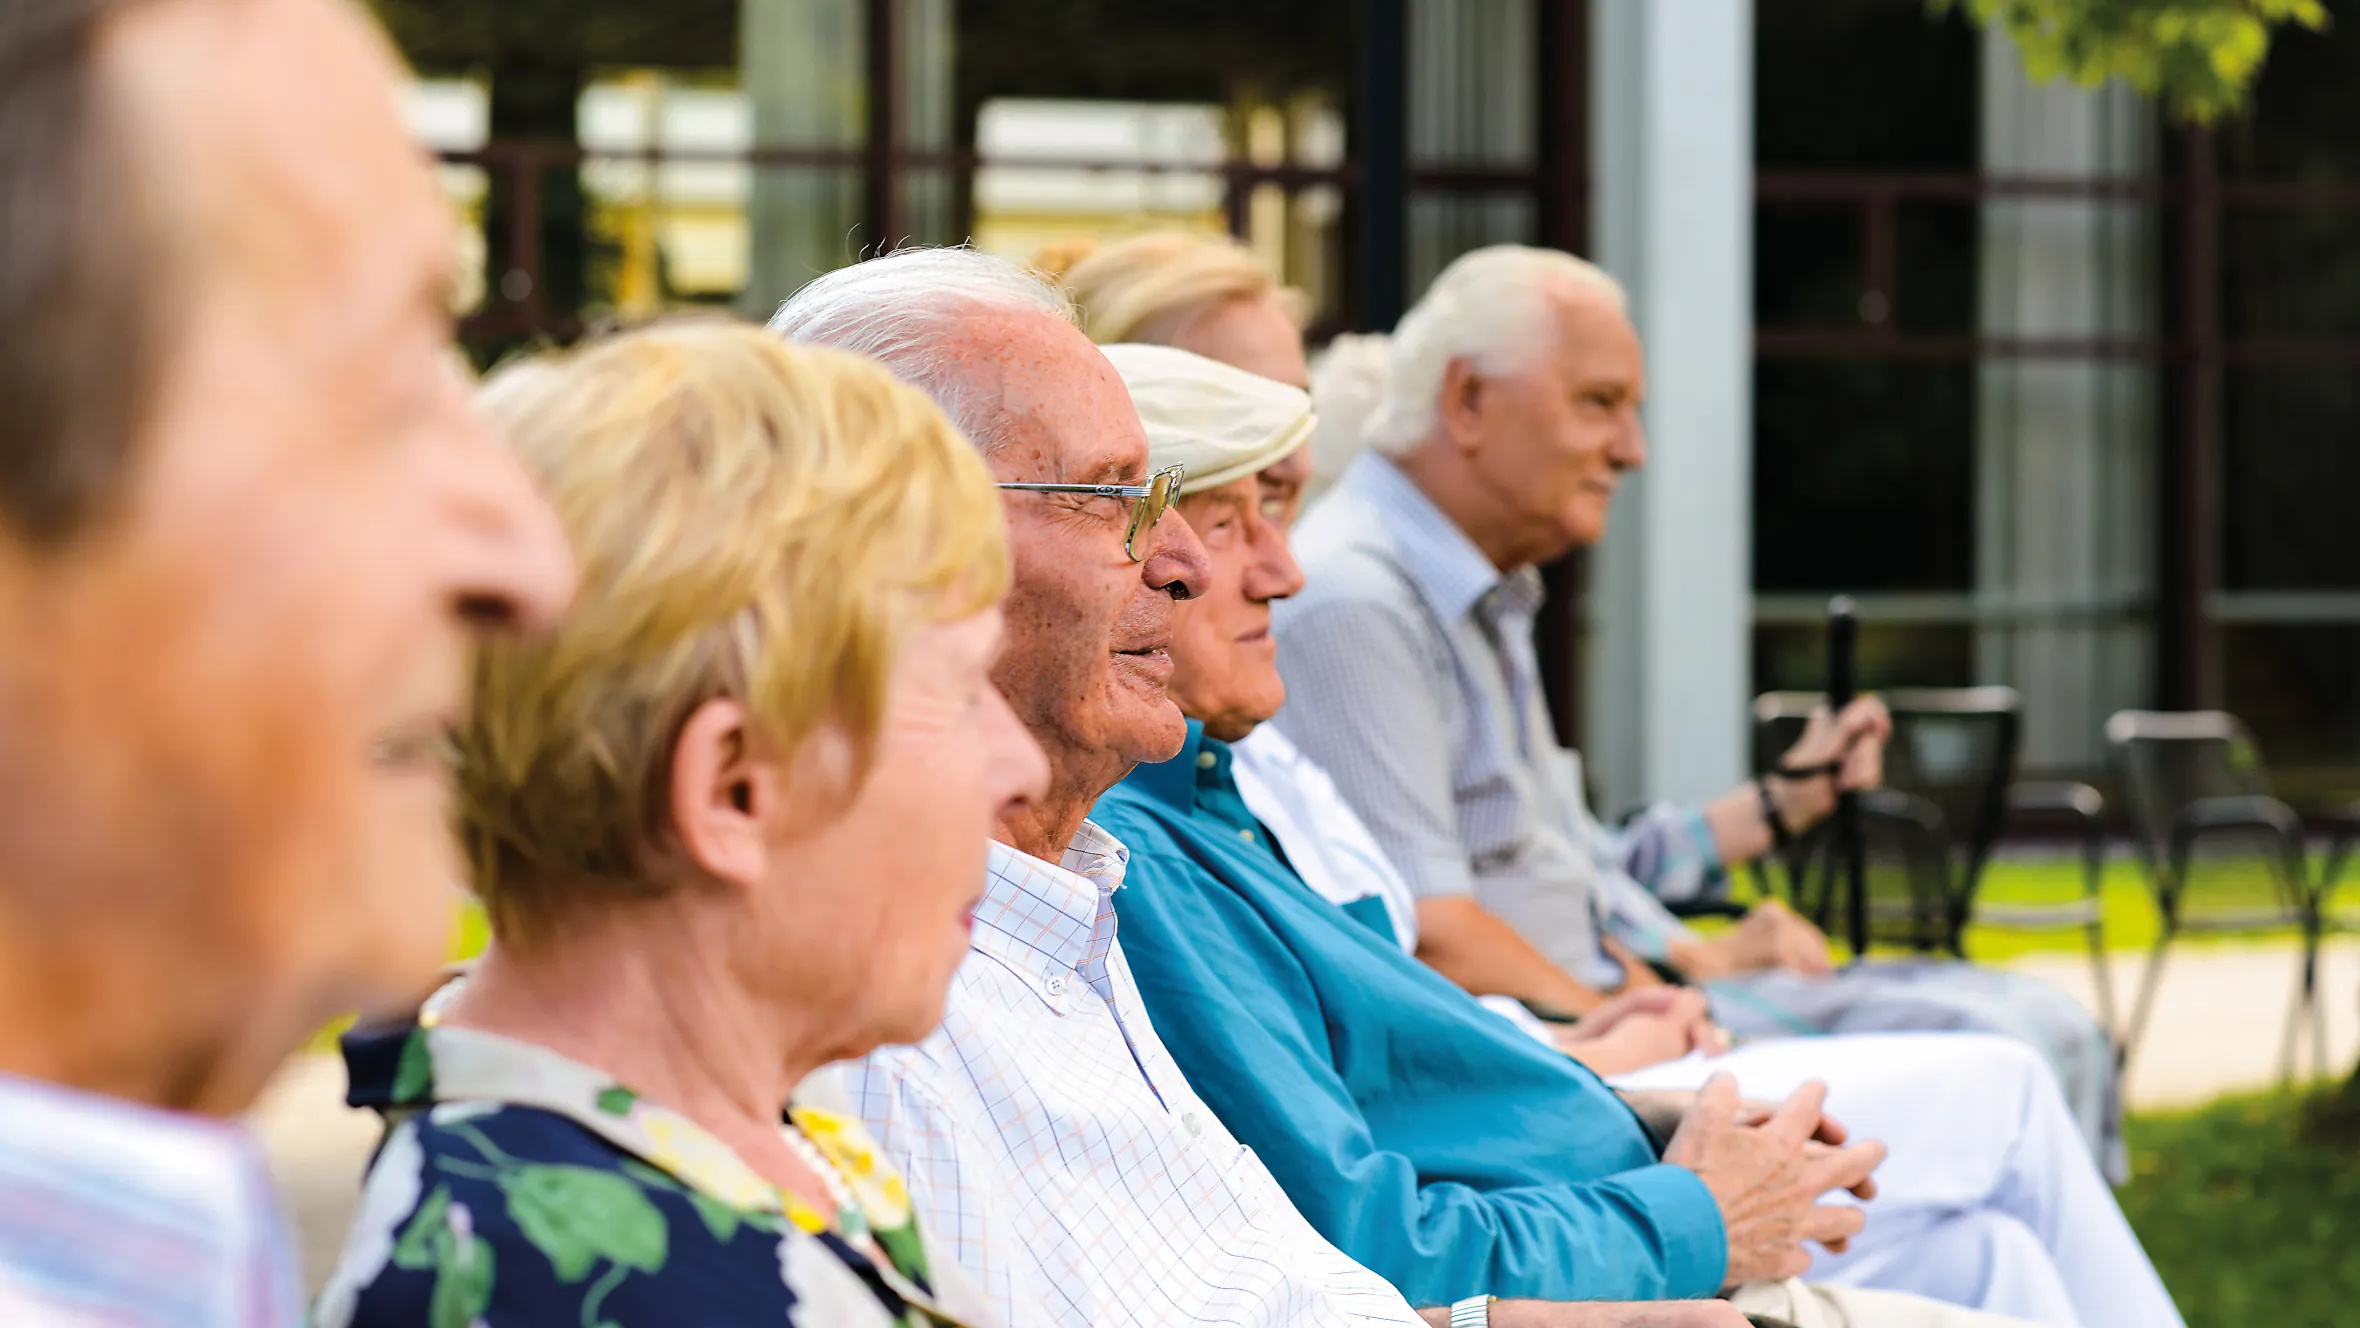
(519, 1216)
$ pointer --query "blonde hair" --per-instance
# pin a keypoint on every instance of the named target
(751, 519)
(1150, 287)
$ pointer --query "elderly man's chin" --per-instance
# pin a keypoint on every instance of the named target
(1150, 723)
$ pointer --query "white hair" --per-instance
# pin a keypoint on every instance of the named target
(904, 311)
(1347, 381)
(1491, 307)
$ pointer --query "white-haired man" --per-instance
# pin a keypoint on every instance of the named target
(1044, 1130)
(1510, 414)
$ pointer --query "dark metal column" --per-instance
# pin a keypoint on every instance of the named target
(881, 211)
(1383, 204)
(1563, 192)
(2189, 533)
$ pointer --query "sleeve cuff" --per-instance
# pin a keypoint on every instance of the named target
(1695, 1245)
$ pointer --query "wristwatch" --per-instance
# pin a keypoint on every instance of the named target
(1473, 1312)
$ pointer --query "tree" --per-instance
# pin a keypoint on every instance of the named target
(2198, 56)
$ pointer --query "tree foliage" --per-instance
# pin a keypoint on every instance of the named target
(2199, 57)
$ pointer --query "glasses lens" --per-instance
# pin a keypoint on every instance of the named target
(1147, 511)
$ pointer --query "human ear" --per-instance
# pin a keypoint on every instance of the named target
(1460, 405)
(721, 793)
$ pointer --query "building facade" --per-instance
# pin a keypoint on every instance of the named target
(2057, 391)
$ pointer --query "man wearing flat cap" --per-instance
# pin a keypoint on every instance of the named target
(1459, 1156)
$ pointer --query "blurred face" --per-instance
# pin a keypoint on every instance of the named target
(1224, 660)
(891, 886)
(1088, 661)
(1254, 335)
(224, 706)
(1549, 444)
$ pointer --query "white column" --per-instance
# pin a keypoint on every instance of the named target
(2064, 448)
(803, 65)
(1672, 210)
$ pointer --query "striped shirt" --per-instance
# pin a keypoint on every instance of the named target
(127, 1216)
(1412, 679)
(1049, 1140)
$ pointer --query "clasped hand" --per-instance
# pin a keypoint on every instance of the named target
(1767, 1169)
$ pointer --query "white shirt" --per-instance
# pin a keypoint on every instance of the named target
(1050, 1141)
(1331, 848)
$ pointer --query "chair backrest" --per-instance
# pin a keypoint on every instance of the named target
(1929, 834)
(2166, 760)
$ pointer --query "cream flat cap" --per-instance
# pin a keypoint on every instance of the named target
(1221, 422)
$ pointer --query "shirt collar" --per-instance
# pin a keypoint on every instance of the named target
(1175, 782)
(1449, 570)
(1045, 918)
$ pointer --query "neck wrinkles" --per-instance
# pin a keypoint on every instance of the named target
(647, 993)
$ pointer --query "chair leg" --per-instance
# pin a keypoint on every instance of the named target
(2145, 1006)
(2102, 983)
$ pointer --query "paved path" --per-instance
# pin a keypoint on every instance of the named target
(2215, 1030)
(2219, 1016)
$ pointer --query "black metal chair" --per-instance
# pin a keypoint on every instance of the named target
(1928, 834)
(2197, 795)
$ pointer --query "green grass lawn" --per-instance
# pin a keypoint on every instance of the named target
(2254, 1222)
(2125, 898)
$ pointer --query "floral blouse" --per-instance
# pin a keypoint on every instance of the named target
(516, 1188)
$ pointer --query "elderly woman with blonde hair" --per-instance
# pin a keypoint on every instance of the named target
(729, 825)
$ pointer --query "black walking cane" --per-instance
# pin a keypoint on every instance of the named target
(1843, 641)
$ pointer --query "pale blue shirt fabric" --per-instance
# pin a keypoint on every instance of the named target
(124, 1215)
(1051, 1142)
(1412, 679)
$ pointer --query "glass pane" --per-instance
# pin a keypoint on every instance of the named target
(2290, 470)
(1863, 476)
(1789, 658)
(2295, 686)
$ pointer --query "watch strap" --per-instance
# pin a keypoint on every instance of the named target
(1473, 1312)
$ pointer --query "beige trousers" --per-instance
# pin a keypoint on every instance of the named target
(1816, 1305)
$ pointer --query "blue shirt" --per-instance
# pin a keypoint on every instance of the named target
(1447, 1152)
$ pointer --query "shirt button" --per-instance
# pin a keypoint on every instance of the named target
(1246, 835)
(1195, 1125)
(1055, 985)
(1206, 760)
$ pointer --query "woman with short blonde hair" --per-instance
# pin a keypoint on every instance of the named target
(728, 823)
(1202, 293)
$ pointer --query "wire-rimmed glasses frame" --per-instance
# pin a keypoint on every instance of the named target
(1149, 502)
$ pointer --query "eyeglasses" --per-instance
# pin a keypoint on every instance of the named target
(1150, 501)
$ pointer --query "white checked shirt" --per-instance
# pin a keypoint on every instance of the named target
(1051, 1143)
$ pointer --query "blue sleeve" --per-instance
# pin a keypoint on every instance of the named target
(1236, 1008)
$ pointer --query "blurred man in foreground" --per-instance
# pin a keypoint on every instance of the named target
(247, 522)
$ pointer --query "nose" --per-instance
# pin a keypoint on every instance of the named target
(510, 567)
(1274, 573)
(1630, 444)
(1178, 564)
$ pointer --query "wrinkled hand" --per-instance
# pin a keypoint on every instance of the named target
(1856, 737)
(1767, 1178)
(1648, 1026)
(1648, 1314)
(1772, 936)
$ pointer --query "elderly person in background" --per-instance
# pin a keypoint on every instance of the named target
(1347, 381)
(1045, 1130)
(1430, 1140)
(249, 523)
(1509, 417)
(728, 825)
